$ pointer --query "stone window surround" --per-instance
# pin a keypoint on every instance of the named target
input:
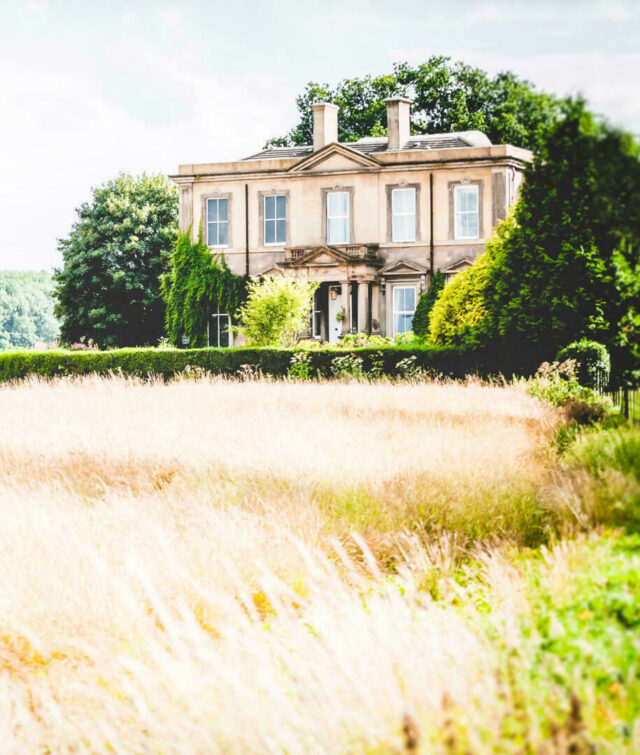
(408, 282)
(328, 190)
(204, 218)
(273, 193)
(452, 229)
(389, 193)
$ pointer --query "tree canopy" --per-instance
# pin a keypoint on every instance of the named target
(565, 265)
(446, 97)
(26, 310)
(109, 287)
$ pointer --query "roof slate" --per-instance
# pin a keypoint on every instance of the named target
(372, 145)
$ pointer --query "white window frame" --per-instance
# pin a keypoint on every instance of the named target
(394, 312)
(274, 220)
(218, 222)
(217, 317)
(457, 213)
(339, 217)
(395, 214)
(315, 310)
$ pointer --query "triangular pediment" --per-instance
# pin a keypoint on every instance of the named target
(322, 255)
(272, 270)
(458, 266)
(404, 267)
(334, 158)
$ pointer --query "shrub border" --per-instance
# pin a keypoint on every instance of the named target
(144, 362)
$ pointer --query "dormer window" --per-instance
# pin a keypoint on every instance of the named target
(338, 220)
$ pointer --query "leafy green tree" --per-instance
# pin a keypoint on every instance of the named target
(565, 266)
(26, 310)
(197, 285)
(447, 97)
(425, 304)
(109, 287)
(276, 311)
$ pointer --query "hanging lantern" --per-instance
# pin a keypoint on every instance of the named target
(333, 293)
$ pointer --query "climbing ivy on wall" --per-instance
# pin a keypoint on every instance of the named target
(425, 304)
(197, 285)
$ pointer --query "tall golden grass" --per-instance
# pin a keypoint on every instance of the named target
(218, 566)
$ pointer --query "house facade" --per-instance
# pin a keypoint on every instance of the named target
(371, 220)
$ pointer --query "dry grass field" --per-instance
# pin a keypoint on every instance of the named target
(221, 566)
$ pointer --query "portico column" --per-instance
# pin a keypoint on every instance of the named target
(363, 307)
(346, 302)
(375, 309)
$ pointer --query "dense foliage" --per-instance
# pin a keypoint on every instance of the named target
(277, 310)
(197, 285)
(425, 304)
(109, 287)
(562, 267)
(447, 97)
(592, 362)
(26, 310)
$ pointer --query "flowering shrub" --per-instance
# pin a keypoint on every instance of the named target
(409, 370)
(301, 367)
(82, 346)
(347, 366)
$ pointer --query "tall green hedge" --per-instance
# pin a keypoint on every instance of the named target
(448, 362)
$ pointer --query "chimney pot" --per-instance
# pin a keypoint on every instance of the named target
(325, 124)
(398, 121)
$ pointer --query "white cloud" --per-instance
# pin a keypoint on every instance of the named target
(35, 6)
(65, 136)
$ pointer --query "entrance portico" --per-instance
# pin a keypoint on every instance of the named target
(349, 282)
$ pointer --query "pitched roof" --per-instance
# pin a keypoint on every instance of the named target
(372, 144)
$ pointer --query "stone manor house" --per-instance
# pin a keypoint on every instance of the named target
(371, 220)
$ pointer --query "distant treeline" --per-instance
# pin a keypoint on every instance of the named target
(26, 310)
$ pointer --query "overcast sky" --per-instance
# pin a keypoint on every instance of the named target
(89, 89)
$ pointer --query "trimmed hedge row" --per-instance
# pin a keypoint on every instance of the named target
(142, 362)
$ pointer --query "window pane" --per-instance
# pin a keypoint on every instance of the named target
(223, 233)
(222, 209)
(404, 200)
(212, 209)
(281, 207)
(338, 203)
(281, 231)
(212, 234)
(410, 299)
(337, 231)
(224, 330)
(269, 231)
(269, 208)
(470, 199)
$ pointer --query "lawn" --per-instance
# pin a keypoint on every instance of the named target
(212, 565)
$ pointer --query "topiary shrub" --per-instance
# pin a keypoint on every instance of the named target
(593, 363)
(425, 304)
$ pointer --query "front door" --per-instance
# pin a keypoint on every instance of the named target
(334, 326)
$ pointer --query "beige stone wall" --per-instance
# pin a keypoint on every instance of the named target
(496, 170)
(371, 216)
